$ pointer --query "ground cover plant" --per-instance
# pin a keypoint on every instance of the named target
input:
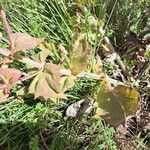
(73, 87)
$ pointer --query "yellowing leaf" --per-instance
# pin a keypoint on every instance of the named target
(23, 41)
(43, 55)
(51, 48)
(41, 88)
(131, 96)
(80, 55)
(115, 104)
(33, 84)
(67, 82)
(54, 77)
(31, 63)
(83, 3)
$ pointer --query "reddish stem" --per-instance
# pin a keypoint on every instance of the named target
(7, 28)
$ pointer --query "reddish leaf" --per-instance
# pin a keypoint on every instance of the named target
(8, 77)
(23, 41)
(4, 52)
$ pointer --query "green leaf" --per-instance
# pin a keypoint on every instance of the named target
(116, 103)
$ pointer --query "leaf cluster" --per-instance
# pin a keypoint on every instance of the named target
(54, 69)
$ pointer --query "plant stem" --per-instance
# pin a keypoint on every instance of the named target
(7, 28)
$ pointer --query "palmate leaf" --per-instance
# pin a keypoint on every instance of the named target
(8, 78)
(116, 103)
(51, 83)
(44, 89)
(80, 55)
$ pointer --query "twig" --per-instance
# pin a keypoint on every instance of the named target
(98, 77)
(145, 67)
(142, 34)
(6, 100)
(43, 141)
(112, 50)
(111, 14)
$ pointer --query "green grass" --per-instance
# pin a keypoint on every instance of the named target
(34, 124)
(47, 19)
(20, 123)
(42, 125)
